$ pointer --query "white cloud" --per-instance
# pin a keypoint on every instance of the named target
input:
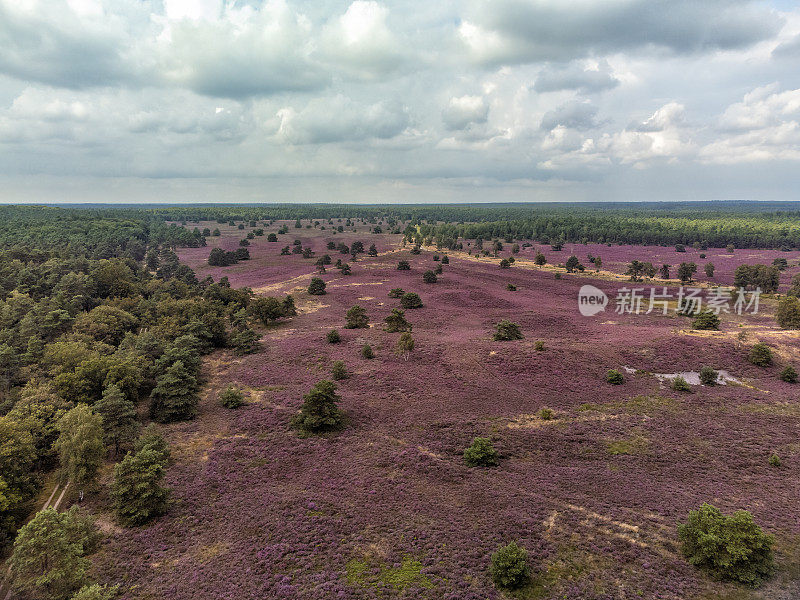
(464, 111)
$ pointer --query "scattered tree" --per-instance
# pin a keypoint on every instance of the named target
(760, 355)
(509, 567)
(480, 453)
(231, 397)
(80, 445)
(410, 300)
(614, 377)
(320, 411)
(137, 490)
(316, 287)
(356, 318)
(507, 331)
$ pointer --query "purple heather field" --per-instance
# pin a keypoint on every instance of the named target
(387, 508)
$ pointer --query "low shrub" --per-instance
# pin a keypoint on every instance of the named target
(511, 287)
(730, 548)
(679, 384)
(539, 346)
(706, 320)
(429, 277)
(480, 453)
(338, 371)
(614, 377)
(507, 331)
(231, 397)
(789, 374)
(775, 460)
(333, 337)
(509, 567)
(546, 414)
(366, 352)
(410, 300)
(708, 376)
(396, 293)
(760, 355)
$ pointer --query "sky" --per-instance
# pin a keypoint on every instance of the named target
(398, 101)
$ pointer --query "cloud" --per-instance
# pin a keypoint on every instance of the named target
(464, 111)
(338, 119)
(522, 31)
(574, 114)
(575, 77)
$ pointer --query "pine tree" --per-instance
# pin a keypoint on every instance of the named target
(396, 321)
(119, 418)
(320, 411)
(137, 491)
(175, 396)
(356, 318)
(80, 445)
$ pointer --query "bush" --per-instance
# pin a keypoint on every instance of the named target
(480, 453)
(396, 293)
(429, 277)
(614, 377)
(333, 337)
(396, 321)
(438, 270)
(731, 548)
(320, 411)
(507, 331)
(787, 314)
(445, 260)
(316, 287)
(366, 352)
(509, 567)
(708, 376)
(789, 374)
(775, 461)
(706, 320)
(511, 287)
(231, 397)
(505, 264)
(760, 355)
(244, 341)
(546, 414)
(679, 384)
(539, 346)
(339, 371)
(403, 266)
(410, 300)
(356, 318)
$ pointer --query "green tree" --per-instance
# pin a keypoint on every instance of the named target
(729, 547)
(356, 318)
(789, 374)
(706, 320)
(709, 270)
(686, 271)
(152, 439)
(507, 331)
(80, 445)
(410, 300)
(339, 371)
(429, 277)
(787, 314)
(119, 418)
(175, 396)
(760, 355)
(614, 377)
(49, 560)
(396, 321)
(96, 591)
(231, 397)
(316, 287)
(572, 263)
(509, 567)
(320, 411)
(137, 489)
(405, 345)
(480, 453)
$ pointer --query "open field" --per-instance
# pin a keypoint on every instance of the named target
(388, 509)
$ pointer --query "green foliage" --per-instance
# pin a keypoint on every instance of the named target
(244, 341)
(507, 331)
(136, 491)
(410, 300)
(403, 265)
(333, 337)
(787, 314)
(338, 370)
(509, 567)
(731, 548)
(320, 411)
(708, 376)
(269, 309)
(152, 439)
(760, 355)
(96, 592)
(511, 287)
(706, 320)
(366, 352)
(119, 418)
(505, 263)
(614, 377)
(175, 396)
(679, 384)
(789, 374)
(80, 445)
(356, 318)
(405, 345)
(775, 460)
(396, 293)
(538, 345)
(396, 321)
(231, 397)
(757, 276)
(49, 560)
(316, 287)
(480, 453)
(546, 414)
(429, 277)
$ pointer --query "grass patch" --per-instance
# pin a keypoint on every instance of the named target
(636, 445)
(778, 409)
(407, 574)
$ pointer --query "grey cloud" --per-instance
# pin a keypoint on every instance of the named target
(574, 115)
(464, 111)
(575, 77)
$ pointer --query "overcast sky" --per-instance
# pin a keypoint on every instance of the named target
(423, 101)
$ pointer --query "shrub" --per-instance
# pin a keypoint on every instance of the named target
(789, 374)
(403, 266)
(438, 270)
(396, 293)
(706, 320)
(480, 453)
(445, 260)
(614, 377)
(356, 318)
(405, 345)
(511, 287)
(396, 321)
(333, 337)
(787, 314)
(540, 259)
(708, 376)
(775, 460)
(546, 414)
(558, 275)
(507, 331)
(539, 346)
(505, 264)
(760, 355)
(509, 566)
(316, 287)
(410, 300)
(731, 548)
(244, 341)
(679, 384)
(320, 411)
(366, 351)
(338, 371)
(231, 397)
(429, 277)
